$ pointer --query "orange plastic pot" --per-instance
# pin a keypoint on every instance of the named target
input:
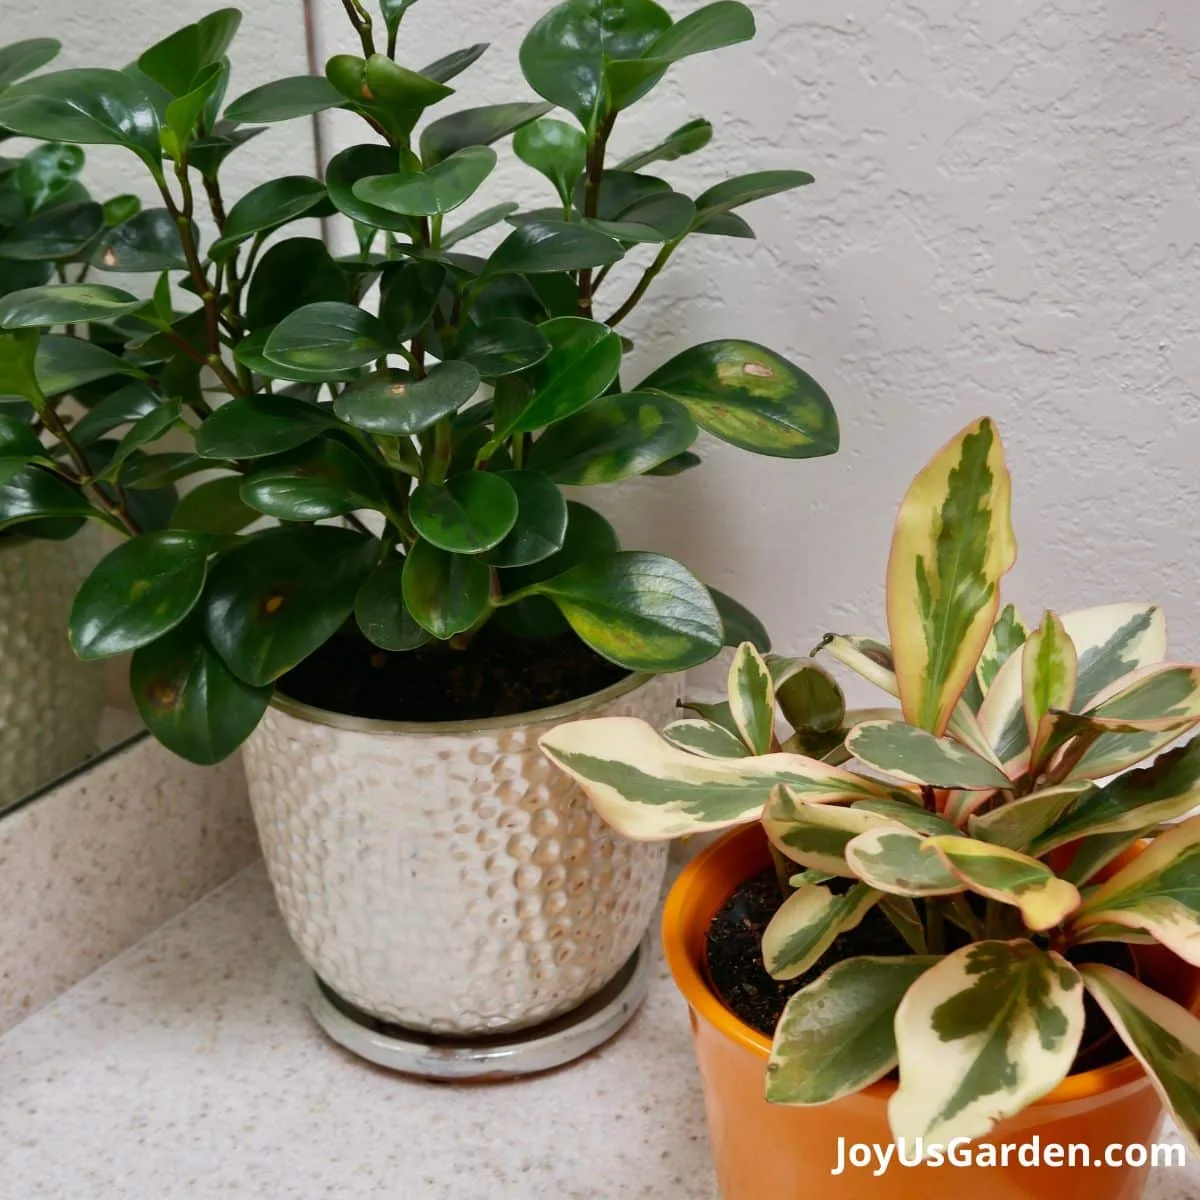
(770, 1152)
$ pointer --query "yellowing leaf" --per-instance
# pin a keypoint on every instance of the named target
(953, 543)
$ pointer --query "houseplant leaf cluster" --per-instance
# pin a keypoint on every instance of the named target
(995, 819)
(384, 437)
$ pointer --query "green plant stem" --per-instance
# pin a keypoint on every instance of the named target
(967, 917)
(182, 214)
(643, 285)
(361, 20)
(591, 202)
(439, 460)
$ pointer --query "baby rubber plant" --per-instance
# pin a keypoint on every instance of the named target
(996, 822)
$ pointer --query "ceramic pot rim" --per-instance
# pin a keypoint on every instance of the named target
(689, 978)
(479, 725)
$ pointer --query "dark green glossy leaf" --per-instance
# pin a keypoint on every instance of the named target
(45, 171)
(478, 223)
(152, 472)
(565, 56)
(445, 593)
(174, 62)
(620, 191)
(267, 207)
(354, 164)
(445, 69)
(122, 407)
(543, 246)
(89, 105)
(208, 152)
(442, 188)
(541, 524)
(214, 507)
(745, 188)
(282, 594)
(320, 480)
(408, 295)
(29, 492)
(57, 233)
(138, 592)
(289, 275)
(327, 336)
(749, 396)
(741, 625)
(716, 25)
(23, 58)
(18, 365)
(65, 363)
(256, 426)
(687, 139)
(250, 354)
(500, 347)
(667, 215)
(475, 127)
(148, 241)
(392, 96)
(63, 303)
(16, 276)
(183, 115)
(380, 612)
(394, 403)
(190, 700)
(393, 13)
(283, 99)
(584, 359)
(146, 429)
(614, 438)
(728, 224)
(468, 514)
(17, 439)
(556, 150)
(639, 610)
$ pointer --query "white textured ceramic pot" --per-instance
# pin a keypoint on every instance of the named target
(50, 702)
(447, 877)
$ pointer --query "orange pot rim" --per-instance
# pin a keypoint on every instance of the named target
(689, 978)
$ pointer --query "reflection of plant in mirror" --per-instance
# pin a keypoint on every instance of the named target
(52, 229)
(978, 828)
(450, 418)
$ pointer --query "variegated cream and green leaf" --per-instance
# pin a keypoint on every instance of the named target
(1020, 824)
(807, 923)
(1132, 803)
(1158, 892)
(953, 543)
(836, 1036)
(814, 835)
(705, 738)
(894, 859)
(1163, 1036)
(1049, 666)
(981, 1035)
(1110, 641)
(999, 804)
(650, 790)
(1010, 877)
(910, 754)
(752, 699)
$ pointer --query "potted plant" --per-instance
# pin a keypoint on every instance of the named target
(960, 925)
(378, 580)
(49, 228)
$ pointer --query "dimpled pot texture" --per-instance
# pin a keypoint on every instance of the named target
(50, 702)
(449, 878)
(770, 1152)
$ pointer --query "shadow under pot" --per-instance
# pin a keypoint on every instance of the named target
(452, 890)
(770, 1151)
(50, 702)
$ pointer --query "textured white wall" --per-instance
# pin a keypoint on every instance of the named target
(270, 44)
(1006, 219)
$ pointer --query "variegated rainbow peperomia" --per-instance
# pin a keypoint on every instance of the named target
(986, 824)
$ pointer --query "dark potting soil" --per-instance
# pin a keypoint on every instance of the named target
(495, 676)
(735, 966)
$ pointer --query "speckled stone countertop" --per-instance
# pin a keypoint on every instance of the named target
(189, 1069)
